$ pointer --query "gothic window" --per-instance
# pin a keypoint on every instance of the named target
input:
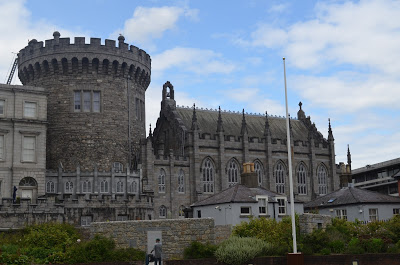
(120, 187)
(50, 187)
(260, 172)
(302, 179)
(181, 212)
(86, 186)
(133, 187)
(233, 173)
(163, 211)
(322, 180)
(69, 187)
(104, 186)
(280, 174)
(161, 181)
(181, 182)
(208, 176)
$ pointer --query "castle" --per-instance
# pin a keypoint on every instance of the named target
(73, 144)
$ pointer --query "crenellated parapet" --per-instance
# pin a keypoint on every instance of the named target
(61, 57)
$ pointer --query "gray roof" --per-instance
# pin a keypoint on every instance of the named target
(238, 194)
(232, 123)
(350, 195)
(376, 166)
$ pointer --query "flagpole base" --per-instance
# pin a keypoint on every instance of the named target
(295, 259)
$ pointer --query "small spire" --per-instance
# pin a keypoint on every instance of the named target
(220, 127)
(266, 129)
(301, 114)
(244, 125)
(150, 133)
(300, 104)
(330, 134)
(348, 156)
(195, 126)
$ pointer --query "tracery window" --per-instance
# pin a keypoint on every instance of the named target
(86, 186)
(120, 187)
(50, 187)
(302, 179)
(181, 182)
(104, 186)
(280, 174)
(133, 187)
(208, 176)
(69, 187)
(161, 181)
(233, 172)
(322, 180)
(260, 172)
(163, 211)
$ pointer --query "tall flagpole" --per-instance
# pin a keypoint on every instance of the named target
(290, 166)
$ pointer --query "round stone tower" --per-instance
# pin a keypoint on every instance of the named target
(96, 102)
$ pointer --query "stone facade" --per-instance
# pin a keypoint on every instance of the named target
(89, 85)
(309, 222)
(176, 234)
(23, 122)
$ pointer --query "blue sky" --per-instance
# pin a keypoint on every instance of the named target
(342, 57)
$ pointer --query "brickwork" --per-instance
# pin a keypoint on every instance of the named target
(107, 78)
(177, 234)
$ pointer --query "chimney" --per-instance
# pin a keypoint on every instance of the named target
(345, 175)
(249, 177)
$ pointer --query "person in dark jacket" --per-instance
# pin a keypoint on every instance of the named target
(157, 252)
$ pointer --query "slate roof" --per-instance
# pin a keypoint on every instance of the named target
(350, 195)
(238, 194)
(232, 123)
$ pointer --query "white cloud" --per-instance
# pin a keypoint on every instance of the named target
(191, 59)
(278, 8)
(16, 28)
(147, 24)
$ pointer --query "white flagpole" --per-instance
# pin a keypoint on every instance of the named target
(290, 166)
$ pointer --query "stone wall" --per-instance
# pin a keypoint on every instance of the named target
(222, 232)
(176, 234)
(310, 222)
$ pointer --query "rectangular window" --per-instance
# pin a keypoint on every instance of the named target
(86, 100)
(86, 220)
(281, 206)
(245, 210)
(122, 218)
(96, 101)
(198, 214)
(396, 211)
(2, 147)
(77, 100)
(28, 151)
(373, 214)
(30, 109)
(2, 107)
(342, 214)
(262, 206)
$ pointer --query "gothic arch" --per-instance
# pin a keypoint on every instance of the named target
(302, 175)
(259, 169)
(322, 178)
(232, 171)
(280, 173)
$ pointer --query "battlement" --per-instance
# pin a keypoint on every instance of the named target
(60, 56)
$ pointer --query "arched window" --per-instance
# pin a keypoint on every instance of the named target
(161, 181)
(120, 187)
(163, 211)
(258, 168)
(280, 174)
(133, 187)
(208, 176)
(181, 181)
(233, 173)
(302, 179)
(50, 187)
(104, 186)
(28, 182)
(69, 187)
(181, 212)
(322, 180)
(86, 186)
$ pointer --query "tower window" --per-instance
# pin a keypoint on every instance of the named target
(87, 101)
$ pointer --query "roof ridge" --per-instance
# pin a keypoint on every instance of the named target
(352, 194)
(236, 187)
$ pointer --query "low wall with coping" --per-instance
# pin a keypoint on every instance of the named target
(175, 234)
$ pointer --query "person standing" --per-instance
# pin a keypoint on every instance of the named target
(157, 252)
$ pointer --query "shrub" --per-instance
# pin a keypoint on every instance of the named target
(354, 247)
(238, 250)
(99, 249)
(315, 242)
(325, 251)
(9, 248)
(336, 246)
(374, 245)
(128, 254)
(197, 250)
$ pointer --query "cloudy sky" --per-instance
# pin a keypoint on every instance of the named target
(342, 57)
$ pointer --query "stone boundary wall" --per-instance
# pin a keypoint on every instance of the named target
(222, 232)
(367, 259)
(176, 234)
(310, 222)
